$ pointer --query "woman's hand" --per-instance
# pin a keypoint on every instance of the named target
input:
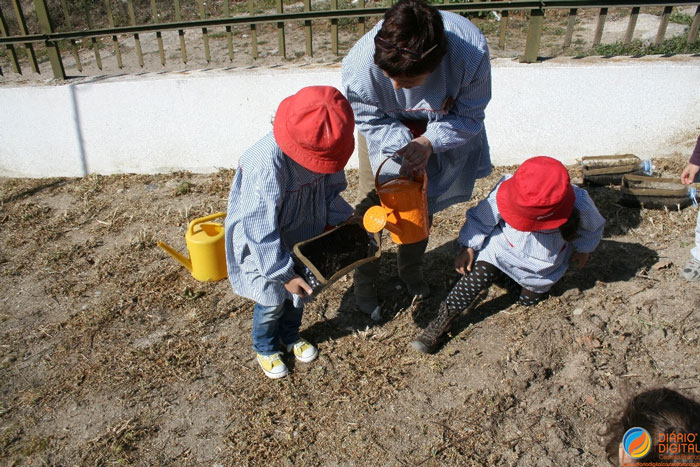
(689, 173)
(464, 258)
(416, 154)
(298, 286)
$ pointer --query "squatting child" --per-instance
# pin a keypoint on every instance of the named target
(523, 236)
(287, 189)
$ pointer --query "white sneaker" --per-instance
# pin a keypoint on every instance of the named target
(691, 270)
(303, 351)
(272, 365)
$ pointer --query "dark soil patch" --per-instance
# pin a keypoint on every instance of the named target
(338, 249)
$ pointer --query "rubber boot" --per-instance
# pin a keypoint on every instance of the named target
(428, 340)
(410, 265)
(365, 292)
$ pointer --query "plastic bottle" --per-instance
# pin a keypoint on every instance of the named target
(646, 167)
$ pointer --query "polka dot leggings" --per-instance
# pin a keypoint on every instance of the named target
(481, 277)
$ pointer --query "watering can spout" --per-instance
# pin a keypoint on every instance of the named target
(376, 218)
(175, 254)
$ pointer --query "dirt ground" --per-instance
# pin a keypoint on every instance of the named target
(112, 353)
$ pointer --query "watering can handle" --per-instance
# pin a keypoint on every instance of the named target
(379, 169)
(194, 222)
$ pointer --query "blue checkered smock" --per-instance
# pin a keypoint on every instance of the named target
(535, 260)
(273, 204)
(461, 151)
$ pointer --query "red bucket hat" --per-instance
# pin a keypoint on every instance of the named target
(539, 196)
(315, 128)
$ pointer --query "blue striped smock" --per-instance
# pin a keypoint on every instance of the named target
(535, 260)
(273, 204)
(460, 147)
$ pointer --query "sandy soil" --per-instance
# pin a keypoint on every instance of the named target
(112, 353)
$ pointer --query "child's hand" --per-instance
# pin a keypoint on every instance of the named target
(689, 173)
(464, 258)
(298, 286)
(580, 258)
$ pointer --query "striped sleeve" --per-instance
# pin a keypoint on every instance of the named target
(261, 199)
(481, 220)
(466, 119)
(592, 223)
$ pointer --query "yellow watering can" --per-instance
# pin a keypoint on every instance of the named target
(404, 208)
(205, 243)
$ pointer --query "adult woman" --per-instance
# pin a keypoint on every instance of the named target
(418, 83)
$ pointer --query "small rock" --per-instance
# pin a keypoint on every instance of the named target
(589, 341)
(662, 265)
(571, 294)
(578, 311)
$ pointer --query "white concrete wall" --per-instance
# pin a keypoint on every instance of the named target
(202, 121)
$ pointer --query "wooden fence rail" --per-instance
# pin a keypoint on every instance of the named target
(49, 35)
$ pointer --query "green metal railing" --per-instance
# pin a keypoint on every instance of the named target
(50, 37)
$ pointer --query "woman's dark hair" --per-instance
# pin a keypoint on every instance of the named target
(402, 45)
(569, 229)
(659, 411)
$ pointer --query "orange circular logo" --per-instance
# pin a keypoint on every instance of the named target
(637, 442)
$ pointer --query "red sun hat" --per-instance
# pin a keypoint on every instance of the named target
(315, 127)
(539, 196)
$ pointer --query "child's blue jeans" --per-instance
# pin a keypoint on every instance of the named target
(272, 324)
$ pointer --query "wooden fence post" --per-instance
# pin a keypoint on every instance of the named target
(534, 34)
(334, 29)
(573, 12)
(598, 35)
(10, 48)
(54, 52)
(663, 24)
(280, 30)
(693, 33)
(307, 31)
(22, 24)
(631, 25)
(74, 46)
(253, 30)
(503, 25)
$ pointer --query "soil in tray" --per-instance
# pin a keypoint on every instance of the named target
(339, 249)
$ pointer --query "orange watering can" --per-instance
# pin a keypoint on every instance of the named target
(205, 244)
(404, 209)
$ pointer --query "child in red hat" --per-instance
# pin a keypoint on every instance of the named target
(523, 235)
(287, 189)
